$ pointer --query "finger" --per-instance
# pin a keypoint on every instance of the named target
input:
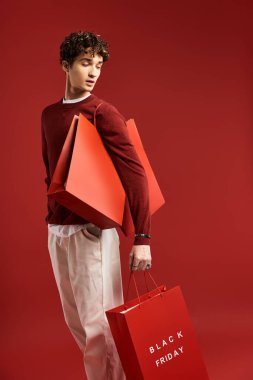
(131, 259)
(135, 265)
(143, 265)
(140, 265)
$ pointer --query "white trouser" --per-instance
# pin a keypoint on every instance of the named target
(87, 271)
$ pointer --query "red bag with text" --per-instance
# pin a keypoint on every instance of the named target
(155, 338)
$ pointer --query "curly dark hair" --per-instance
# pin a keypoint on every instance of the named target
(77, 42)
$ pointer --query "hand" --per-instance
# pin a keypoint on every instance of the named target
(140, 256)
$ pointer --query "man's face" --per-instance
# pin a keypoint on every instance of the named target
(85, 71)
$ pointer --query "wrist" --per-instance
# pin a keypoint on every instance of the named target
(141, 238)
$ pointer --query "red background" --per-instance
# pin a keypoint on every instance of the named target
(183, 71)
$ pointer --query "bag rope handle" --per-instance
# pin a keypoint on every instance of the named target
(132, 274)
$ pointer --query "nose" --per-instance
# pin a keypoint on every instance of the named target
(93, 72)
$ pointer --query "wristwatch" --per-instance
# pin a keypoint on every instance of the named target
(143, 235)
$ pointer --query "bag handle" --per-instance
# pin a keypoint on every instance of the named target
(94, 119)
(132, 274)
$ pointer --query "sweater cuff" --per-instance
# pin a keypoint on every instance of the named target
(138, 240)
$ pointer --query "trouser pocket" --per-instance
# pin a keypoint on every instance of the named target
(92, 232)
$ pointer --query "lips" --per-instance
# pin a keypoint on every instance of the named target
(90, 81)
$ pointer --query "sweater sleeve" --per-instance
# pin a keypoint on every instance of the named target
(44, 152)
(112, 128)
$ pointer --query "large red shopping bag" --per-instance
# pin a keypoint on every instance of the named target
(155, 337)
(86, 181)
(83, 177)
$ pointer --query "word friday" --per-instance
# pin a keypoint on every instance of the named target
(169, 356)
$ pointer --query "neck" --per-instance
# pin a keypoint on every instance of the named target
(74, 93)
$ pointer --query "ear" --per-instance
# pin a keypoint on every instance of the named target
(65, 66)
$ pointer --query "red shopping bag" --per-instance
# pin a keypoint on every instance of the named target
(83, 177)
(155, 338)
(86, 181)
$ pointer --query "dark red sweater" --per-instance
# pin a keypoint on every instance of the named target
(111, 125)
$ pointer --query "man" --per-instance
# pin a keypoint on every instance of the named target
(86, 259)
